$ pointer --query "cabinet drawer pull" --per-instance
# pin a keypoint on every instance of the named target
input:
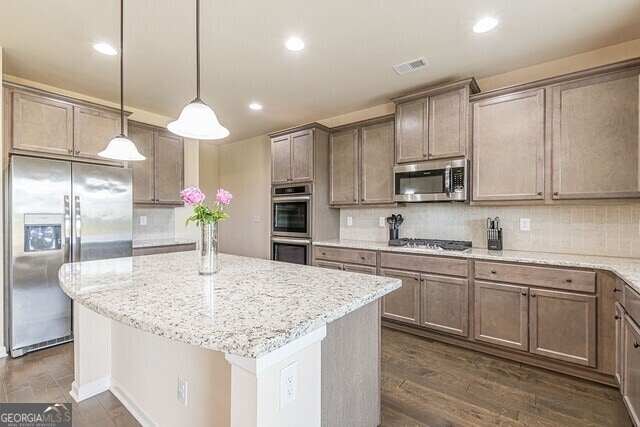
(324, 253)
(569, 280)
(555, 193)
(539, 193)
(493, 272)
(616, 290)
(362, 257)
(636, 345)
(616, 317)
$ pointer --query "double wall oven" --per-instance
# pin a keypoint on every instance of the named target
(291, 224)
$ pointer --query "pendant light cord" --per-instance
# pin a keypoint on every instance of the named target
(198, 50)
(121, 68)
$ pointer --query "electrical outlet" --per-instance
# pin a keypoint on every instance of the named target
(256, 219)
(382, 221)
(182, 390)
(525, 224)
(349, 221)
(143, 220)
(288, 384)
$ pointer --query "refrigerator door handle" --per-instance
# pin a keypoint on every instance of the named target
(78, 230)
(67, 230)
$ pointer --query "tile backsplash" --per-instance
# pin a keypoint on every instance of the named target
(609, 230)
(160, 223)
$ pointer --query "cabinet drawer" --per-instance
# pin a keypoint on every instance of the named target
(351, 256)
(360, 269)
(424, 264)
(328, 264)
(557, 278)
(632, 303)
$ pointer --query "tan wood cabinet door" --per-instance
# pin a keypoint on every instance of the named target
(575, 340)
(343, 167)
(631, 371)
(411, 131)
(619, 318)
(595, 137)
(144, 171)
(302, 156)
(377, 163)
(92, 131)
(444, 304)
(508, 139)
(403, 304)
(169, 161)
(502, 315)
(41, 124)
(281, 159)
(448, 124)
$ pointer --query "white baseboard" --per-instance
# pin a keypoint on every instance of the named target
(3, 352)
(135, 410)
(80, 393)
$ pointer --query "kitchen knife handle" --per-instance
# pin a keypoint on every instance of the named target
(78, 225)
(67, 230)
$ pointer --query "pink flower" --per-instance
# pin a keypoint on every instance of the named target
(224, 197)
(192, 196)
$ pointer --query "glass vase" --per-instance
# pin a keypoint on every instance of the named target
(208, 249)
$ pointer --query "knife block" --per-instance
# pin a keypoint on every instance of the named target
(393, 233)
(494, 240)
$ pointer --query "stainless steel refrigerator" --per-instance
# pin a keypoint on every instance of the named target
(59, 212)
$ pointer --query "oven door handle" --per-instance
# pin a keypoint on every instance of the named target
(291, 199)
(291, 241)
(447, 180)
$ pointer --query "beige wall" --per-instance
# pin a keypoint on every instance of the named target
(245, 171)
(3, 348)
(209, 173)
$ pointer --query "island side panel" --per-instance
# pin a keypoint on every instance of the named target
(351, 369)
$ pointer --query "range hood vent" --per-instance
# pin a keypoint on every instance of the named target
(408, 67)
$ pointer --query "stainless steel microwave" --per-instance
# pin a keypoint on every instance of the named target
(433, 181)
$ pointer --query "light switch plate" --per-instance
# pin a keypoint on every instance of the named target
(525, 224)
(256, 219)
(143, 220)
(349, 221)
(382, 221)
(288, 384)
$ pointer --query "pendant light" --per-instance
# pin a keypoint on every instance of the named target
(121, 147)
(197, 120)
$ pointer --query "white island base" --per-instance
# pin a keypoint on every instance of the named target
(337, 375)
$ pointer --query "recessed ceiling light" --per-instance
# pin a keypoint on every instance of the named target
(485, 24)
(105, 49)
(255, 106)
(294, 44)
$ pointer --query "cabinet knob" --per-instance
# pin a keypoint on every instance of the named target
(555, 193)
(493, 272)
(355, 200)
(616, 317)
(324, 253)
(636, 345)
(616, 290)
(524, 292)
(533, 295)
(569, 280)
(424, 155)
(362, 258)
(430, 155)
(415, 278)
(77, 151)
(70, 151)
(539, 193)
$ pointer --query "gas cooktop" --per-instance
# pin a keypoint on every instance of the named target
(440, 245)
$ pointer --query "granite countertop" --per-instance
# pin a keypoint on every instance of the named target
(148, 243)
(249, 308)
(627, 269)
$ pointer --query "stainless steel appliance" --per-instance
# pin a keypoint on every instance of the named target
(433, 181)
(59, 212)
(291, 211)
(440, 245)
(296, 251)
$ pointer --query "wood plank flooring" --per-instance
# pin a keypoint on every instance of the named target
(428, 383)
(46, 376)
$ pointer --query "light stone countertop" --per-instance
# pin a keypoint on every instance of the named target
(627, 269)
(251, 307)
(149, 243)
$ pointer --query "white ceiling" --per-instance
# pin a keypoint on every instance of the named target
(346, 66)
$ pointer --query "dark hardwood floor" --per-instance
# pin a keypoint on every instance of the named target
(428, 383)
(46, 376)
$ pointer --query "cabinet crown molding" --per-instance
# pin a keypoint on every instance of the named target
(313, 125)
(436, 90)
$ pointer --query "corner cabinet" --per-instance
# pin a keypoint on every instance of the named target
(292, 157)
(158, 179)
(361, 163)
(45, 123)
(433, 123)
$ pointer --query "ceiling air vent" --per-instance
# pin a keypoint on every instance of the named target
(408, 67)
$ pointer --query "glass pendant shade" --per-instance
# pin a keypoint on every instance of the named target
(121, 148)
(198, 121)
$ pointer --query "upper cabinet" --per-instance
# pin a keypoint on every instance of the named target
(45, 123)
(361, 163)
(595, 137)
(433, 123)
(292, 156)
(508, 147)
(158, 179)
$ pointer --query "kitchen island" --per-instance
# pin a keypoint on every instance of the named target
(142, 323)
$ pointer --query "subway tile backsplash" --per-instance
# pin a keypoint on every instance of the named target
(160, 223)
(609, 230)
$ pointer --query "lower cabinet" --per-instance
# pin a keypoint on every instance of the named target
(619, 317)
(502, 315)
(403, 304)
(562, 326)
(353, 268)
(444, 304)
(631, 369)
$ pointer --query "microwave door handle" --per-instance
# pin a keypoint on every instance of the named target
(447, 180)
(78, 229)
(67, 229)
